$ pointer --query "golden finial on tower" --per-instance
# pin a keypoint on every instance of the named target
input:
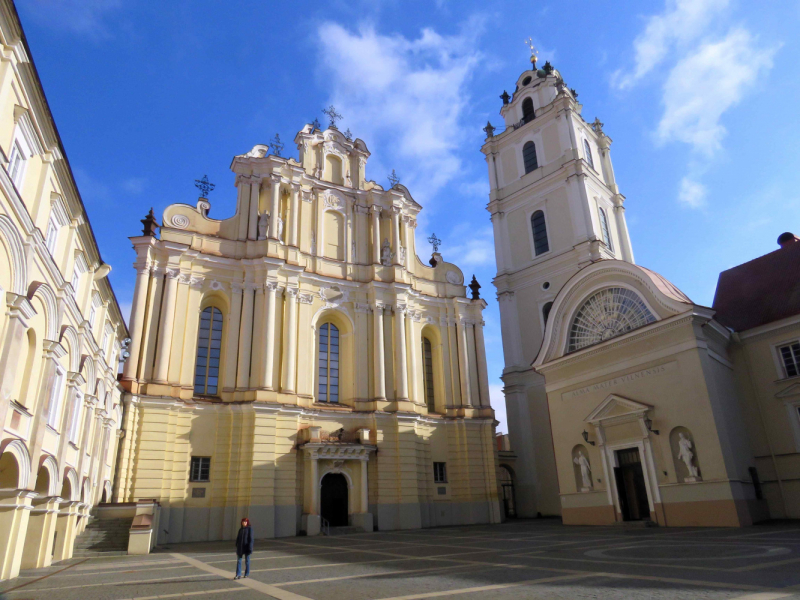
(534, 51)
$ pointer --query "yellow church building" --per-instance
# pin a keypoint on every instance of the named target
(297, 363)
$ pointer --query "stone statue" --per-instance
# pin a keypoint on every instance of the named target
(263, 225)
(686, 455)
(386, 253)
(280, 229)
(586, 470)
(402, 255)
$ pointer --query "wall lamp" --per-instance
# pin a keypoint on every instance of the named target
(648, 422)
(585, 435)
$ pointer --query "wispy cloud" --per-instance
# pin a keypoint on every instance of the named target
(408, 95)
(83, 17)
(692, 193)
(134, 185)
(469, 247)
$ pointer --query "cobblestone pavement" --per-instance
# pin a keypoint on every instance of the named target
(519, 559)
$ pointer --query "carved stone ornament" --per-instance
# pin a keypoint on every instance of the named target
(332, 200)
(203, 206)
(305, 195)
(362, 308)
(180, 221)
(454, 277)
(402, 255)
(258, 151)
(386, 253)
(215, 285)
(305, 298)
(333, 296)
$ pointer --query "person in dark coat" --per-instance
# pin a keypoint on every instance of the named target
(244, 547)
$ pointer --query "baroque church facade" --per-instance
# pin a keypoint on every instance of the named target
(297, 363)
(626, 400)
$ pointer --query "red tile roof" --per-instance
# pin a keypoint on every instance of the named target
(761, 291)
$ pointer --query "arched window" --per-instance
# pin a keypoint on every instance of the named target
(604, 228)
(546, 311)
(607, 314)
(209, 348)
(529, 157)
(540, 245)
(527, 110)
(328, 363)
(588, 151)
(427, 362)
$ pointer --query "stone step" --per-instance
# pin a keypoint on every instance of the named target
(344, 530)
(90, 553)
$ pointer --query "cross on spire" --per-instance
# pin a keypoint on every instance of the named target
(534, 51)
(276, 145)
(204, 186)
(393, 178)
(332, 115)
(435, 242)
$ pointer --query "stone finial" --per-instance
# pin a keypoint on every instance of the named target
(505, 97)
(150, 224)
(597, 126)
(475, 287)
(489, 130)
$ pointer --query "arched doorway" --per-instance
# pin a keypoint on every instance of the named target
(9, 471)
(507, 487)
(333, 499)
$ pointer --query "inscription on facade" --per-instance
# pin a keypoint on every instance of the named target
(622, 379)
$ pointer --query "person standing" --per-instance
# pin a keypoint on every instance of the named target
(244, 547)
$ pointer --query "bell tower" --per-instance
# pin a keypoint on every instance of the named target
(555, 208)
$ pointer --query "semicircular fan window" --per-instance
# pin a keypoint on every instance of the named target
(605, 315)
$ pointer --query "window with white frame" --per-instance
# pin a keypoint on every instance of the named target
(51, 237)
(588, 151)
(604, 230)
(77, 410)
(93, 310)
(58, 218)
(16, 164)
(790, 357)
(55, 396)
(79, 269)
(439, 472)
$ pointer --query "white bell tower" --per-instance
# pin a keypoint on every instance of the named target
(555, 208)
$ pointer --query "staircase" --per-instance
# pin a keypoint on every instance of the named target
(107, 536)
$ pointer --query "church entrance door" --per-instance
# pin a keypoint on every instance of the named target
(333, 499)
(631, 489)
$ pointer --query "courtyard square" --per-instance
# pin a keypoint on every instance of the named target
(518, 559)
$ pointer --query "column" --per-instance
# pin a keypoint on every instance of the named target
(463, 366)
(406, 260)
(509, 326)
(499, 258)
(13, 527)
(18, 313)
(243, 207)
(130, 370)
(364, 487)
(314, 485)
(269, 329)
(376, 234)
(413, 351)
(396, 234)
(231, 333)
(401, 377)
(483, 372)
(622, 229)
(38, 548)
(165, 326)
(379, 365)
(290, 362)
(294, 214)
(275, 204)
(259, 331)
(252, 222)
(65, 530)
(245, 338)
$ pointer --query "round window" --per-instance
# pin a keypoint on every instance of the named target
(546, 285)
(526, 81)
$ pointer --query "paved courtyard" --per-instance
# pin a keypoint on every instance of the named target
(522, 559)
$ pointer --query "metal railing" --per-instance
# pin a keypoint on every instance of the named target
(325, 527)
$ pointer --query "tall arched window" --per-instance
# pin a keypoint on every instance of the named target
(588, 151)
(540, 245)
(209, 348)
(604, 228)
(427, 363)
(529, 157)
(527, 110)
(328, 363)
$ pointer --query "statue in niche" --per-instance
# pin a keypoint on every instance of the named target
(686, 455)
(353, 250)
(313, 244)
(586, 470)
(402, 255)
(386, 253)
(263, 225)
(280, 229)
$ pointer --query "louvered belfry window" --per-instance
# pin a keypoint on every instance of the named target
(328, 363)
(209, 349)
(539, 228)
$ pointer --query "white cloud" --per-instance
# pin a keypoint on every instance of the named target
(406, 95)
(498, 402)
(706, 83)
(682, 22)
(84, 17)
(475, 247)
(692, 193)
(134, 185)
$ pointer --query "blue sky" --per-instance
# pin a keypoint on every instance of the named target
(699, 96)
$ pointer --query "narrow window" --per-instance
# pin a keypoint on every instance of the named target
(16, 163)
(92, 315)
(209, 348)
(588, 151)
(77, 409)
(527, 110)
(439, 472)
(790, 354)
(55, 397)
(51, 237)
(427, 358)
(200, 469)
(76, 278)
(604, 228)
(328, 363)
(540, 244)
(546, 311)
(529, 157)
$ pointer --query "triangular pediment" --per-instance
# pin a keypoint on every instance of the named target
(792, 390)
(616, 406)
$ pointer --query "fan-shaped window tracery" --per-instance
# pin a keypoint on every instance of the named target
(607, 314)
